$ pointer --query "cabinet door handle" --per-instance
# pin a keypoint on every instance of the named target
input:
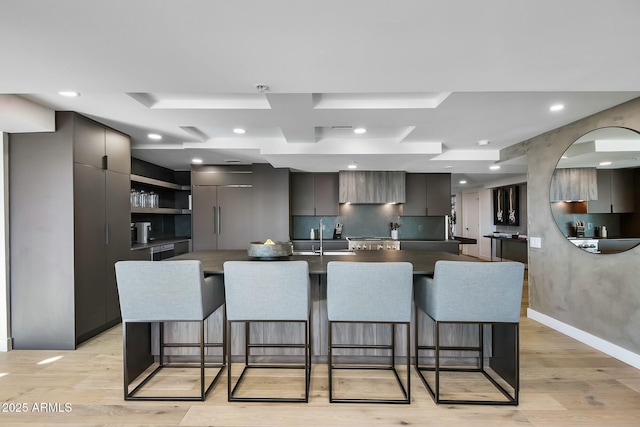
(215, 221)
(106, 234)
(219, 219)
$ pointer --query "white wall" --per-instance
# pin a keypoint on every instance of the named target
(5, 332)
(485, 219)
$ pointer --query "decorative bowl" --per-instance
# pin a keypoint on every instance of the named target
(270, 250)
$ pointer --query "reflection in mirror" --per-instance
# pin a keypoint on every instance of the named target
(595, 191)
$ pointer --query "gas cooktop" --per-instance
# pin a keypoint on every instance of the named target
(373, 243)
(369, 238)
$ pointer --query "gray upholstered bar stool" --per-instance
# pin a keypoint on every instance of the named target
(486, 294)
(263, 293)
(169, 291)
(369, 293)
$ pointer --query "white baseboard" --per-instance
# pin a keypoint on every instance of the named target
(606, 347)
(5, 345)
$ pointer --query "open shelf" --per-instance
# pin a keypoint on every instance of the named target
(158, 183)
(161, 211)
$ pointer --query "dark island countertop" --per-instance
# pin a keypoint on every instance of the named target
(158, 242)
(423, 260)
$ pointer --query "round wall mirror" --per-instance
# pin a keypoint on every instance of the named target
(595, 191)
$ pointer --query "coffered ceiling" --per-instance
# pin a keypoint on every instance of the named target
(427, 80)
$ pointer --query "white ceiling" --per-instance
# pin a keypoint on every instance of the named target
(428, 79)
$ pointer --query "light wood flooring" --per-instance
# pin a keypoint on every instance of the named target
(563, 383)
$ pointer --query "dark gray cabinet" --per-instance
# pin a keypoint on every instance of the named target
(416, 202)
(221, 217)
(271, 203)
(117, 216)
(616, 192)
(70, 224)
(428, 194)
(235, 205)
(438, 194)
(314, 194)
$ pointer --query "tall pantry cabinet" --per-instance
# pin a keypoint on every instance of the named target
(70, 222)
(222, 197)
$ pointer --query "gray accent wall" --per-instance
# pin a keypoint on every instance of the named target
(598, 294)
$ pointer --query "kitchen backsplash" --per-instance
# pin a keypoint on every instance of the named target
(371, 220)
(568, 222)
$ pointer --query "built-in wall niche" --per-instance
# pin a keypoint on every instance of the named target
(506, 205)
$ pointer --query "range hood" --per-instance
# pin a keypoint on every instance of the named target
(372, 187)
(574, 184)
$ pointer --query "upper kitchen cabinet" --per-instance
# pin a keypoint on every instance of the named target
(616, 192)
(427, 195)
(438, 194)
(69, 202)
(372, 187)
(314, 194)
(270, 203)
(100, 147)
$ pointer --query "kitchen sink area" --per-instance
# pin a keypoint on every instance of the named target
(313, 253)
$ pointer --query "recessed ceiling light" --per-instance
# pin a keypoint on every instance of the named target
(359, 130)
(483, 142)
(154, 136)
(239, 131)
(70, 94)
(353, 166)
(556, 107)
(463, 182)
(196, 160)
(494, 167)
(604, 163)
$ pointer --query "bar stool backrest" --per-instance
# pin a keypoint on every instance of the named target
(473, 291)
(164, 290)
(267, 290)
(369, 291)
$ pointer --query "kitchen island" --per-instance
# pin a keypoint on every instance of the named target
(423, 262)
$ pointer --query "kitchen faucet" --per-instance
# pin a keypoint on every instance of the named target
(320, 230)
